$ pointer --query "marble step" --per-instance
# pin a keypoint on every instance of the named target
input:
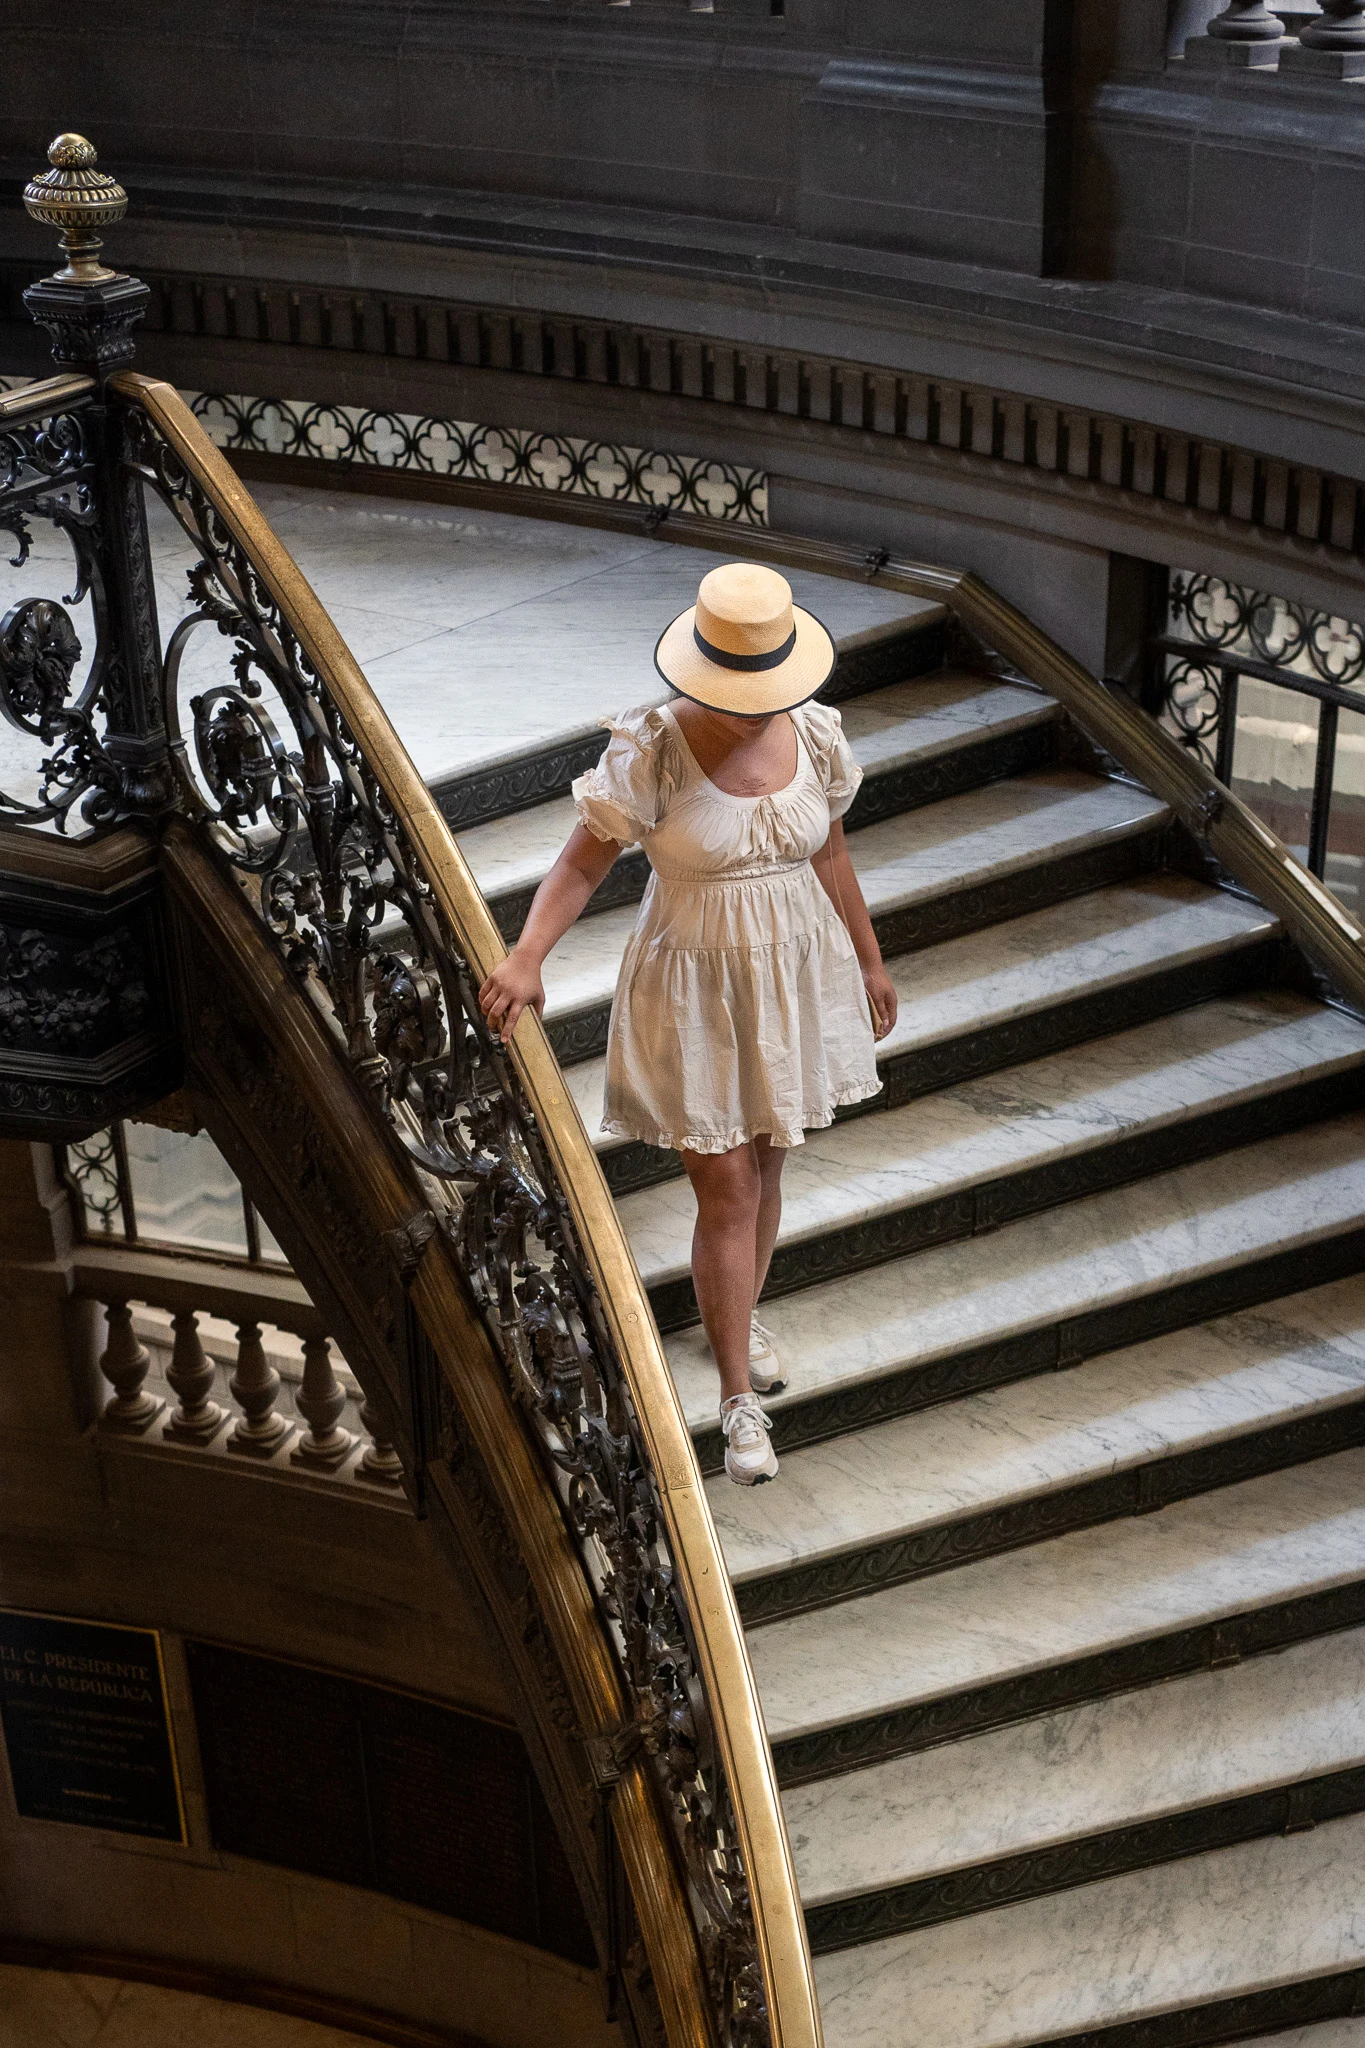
(1333, 2033)
(1250, 1568)
(1213, 1758)
(973, 1157)
(916, 741)
(1064, 1285)
(1179, 1415)
(1052, 978)
(961, 865)
(1197, 1951)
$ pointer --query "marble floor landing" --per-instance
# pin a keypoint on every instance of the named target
(484, 634)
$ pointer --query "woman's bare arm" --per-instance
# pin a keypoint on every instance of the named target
(515, 983)
(840, 884)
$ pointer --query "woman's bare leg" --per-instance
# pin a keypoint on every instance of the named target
(729, 1190)
(771, 1159)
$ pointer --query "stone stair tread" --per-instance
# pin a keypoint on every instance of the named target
(1155, 1075)
(1272, 1912)
(1098, 1252)
(1200, 1740)
(888, 729)
(1174, 1393)
(1083, 947)
(994, 831)
(959, 843)
(1282, 1535)
(928, 715)
(1342, 2033)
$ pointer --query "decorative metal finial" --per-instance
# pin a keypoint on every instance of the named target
(78, 199)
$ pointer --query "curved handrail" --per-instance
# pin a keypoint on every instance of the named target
(731, 1691)
(1234, 835)
(36, 401)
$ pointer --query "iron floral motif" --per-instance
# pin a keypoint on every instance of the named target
(1229, 618)
(53, 997)
(92, 1169)
(340, 884)
(1275, 630)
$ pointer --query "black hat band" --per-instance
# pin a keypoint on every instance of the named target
(750, 662)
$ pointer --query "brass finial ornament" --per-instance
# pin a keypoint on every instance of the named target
(78, 199)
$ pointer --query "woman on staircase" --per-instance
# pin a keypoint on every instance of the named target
(752, 988)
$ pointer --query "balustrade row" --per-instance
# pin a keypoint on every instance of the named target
(225, 1391)
(1328, 42)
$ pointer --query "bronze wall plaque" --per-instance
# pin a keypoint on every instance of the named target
(87, 1726)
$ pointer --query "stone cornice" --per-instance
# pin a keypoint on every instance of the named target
(726, 280)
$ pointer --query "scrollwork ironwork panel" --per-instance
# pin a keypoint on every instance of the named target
(47, 473)
(272, 773)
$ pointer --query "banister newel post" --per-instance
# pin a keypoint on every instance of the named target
(89, 312)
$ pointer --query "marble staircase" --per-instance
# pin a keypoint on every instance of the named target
(1058, 1606)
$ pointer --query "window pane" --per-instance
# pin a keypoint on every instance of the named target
(184, 1191)
(1272, 765)
(1346, 835)
(269, 1248)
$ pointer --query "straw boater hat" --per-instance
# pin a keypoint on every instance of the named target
(744, 647)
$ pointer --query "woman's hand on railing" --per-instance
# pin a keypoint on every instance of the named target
(514, 985)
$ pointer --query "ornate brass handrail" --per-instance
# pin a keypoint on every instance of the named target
(258, 777)
(39, 401)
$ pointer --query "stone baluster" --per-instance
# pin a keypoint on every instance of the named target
(1333, 46)
(255, 1385)
(381, 1464)
(125, 1364)
(191, 1373)
(320, 1401)
(1245, 35)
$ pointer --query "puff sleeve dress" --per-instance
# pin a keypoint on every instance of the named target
(740, 1008)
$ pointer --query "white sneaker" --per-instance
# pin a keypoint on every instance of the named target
(749, 1457)
(767, 1373)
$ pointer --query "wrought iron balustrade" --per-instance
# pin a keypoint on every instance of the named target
(1225, 654)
